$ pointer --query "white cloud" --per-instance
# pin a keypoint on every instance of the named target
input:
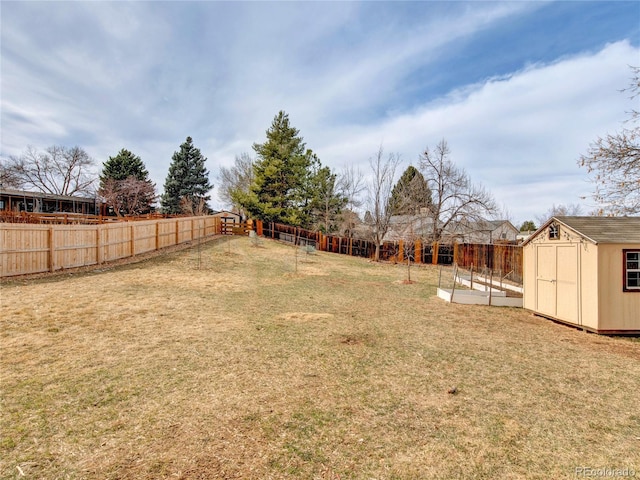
(144, 76)
(520, 136)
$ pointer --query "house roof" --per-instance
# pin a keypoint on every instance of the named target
(485, 225)
(600, 229)
(225, 212)
(26, 194)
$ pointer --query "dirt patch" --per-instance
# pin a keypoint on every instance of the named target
(304, 316)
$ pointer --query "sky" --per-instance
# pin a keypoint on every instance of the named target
(519, 90)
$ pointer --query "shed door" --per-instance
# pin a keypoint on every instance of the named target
(567, 283)
(546, 279)
(557, 281)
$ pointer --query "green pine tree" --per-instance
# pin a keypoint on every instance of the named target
(124, 165)
(411, 193)
(125, 184)
(281, 176)
(187, 182)
(327, 201)
(528, 226)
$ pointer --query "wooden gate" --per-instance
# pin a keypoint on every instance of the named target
(235, 228)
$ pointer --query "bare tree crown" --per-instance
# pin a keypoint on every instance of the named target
(58, 170)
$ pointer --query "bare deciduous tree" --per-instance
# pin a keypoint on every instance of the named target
(569, 210)
(58, 171)
(379, 190)
(8, 177)
(455, 198)
(350, 185)
(130, 196)
(193, 206)
(615, 162)
(236, 179)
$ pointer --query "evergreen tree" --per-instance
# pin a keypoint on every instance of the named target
(125, 184)
(411, 193)
(281, 176)
(187, 182)
(327, 201)
(125, 164)
(528, 226)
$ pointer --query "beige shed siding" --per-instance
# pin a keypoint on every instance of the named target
(588, 253)
(619, 310)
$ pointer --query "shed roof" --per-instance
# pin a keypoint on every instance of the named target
(601, 229)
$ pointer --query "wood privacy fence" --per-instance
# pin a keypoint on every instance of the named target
(506, 260)
(416, 251)
(29, 248)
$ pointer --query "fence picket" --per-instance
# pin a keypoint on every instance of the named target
(27, 248)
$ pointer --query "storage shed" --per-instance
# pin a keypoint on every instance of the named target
(585, 271)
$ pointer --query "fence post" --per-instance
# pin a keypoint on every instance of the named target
(177, 231)
(133, 239)
(157, 235)
(99, 255)
(471, 276)
(52, 250)
(490, 286)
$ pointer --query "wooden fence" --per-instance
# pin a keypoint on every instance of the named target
(417, 252)
(506, 260)
(65, 218)
(30, 248)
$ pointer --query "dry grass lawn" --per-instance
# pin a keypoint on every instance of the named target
(247, 368)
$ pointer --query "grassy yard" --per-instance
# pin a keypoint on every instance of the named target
(233, 363)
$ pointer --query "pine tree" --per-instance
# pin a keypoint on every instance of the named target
(187, 182)
(411, 193)
(327, 201)
(281, 176)
(125, 164)
(125, 184)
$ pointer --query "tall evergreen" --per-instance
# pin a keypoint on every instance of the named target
(281, 175)
(125, 184)
(187, 182)
(411, 193)
(326, 200)
(124, 165)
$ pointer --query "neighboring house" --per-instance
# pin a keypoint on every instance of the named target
(485, 231)
(37, 202)
(522, 236)
(585, 271)
(408, 227)
(481, 231)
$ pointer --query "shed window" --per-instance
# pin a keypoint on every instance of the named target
(554, 232)
(631, 267)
